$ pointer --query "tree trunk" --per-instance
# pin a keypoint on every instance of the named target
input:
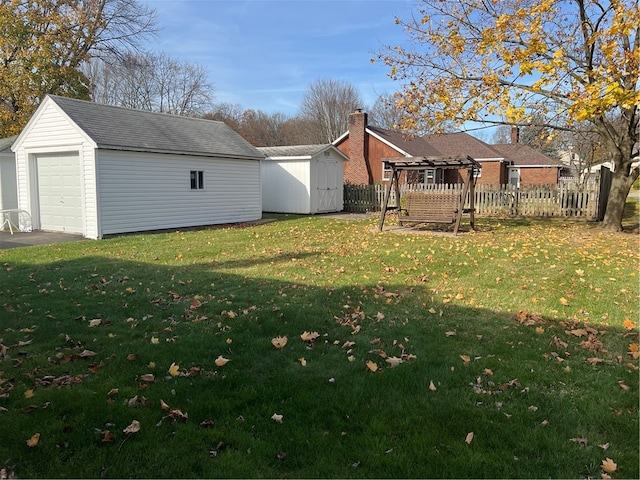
(621, 183)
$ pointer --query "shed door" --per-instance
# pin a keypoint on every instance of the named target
(59, 192)
(329, 179)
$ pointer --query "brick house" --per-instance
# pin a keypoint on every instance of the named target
(366, 146)
(528, 165)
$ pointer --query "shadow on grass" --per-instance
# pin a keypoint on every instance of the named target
(340, 418)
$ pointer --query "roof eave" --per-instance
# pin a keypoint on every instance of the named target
(125, 148)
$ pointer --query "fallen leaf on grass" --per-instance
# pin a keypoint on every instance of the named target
(580, 441)
(147, 377)
(633, 350)
(594, 360)
(277, 418)
(555, 341)
(564, 301)
(628, 324)
(221, 361)
(372, 366)
(623, 385)
(174, 370)
(432, 386)
(577, 332)
(309, 337)
(107, 436)
(608, 465)
(279, 342)
(95, 367)
(33, 441)
(394, 361)
(95, 322)
(450, 333)
(605, 446)
(155, 340)
(465, 359)
(178, 415)
(469, 438)
(133, 427)
(302, 361)
(29, 393)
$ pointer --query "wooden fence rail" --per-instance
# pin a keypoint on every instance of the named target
(563, 200)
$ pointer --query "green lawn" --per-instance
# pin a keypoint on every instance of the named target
(510, 352)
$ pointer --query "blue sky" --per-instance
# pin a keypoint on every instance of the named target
(264, 54)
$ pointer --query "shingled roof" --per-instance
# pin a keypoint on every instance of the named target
(5, 143)
(462, 144)
(117, 128)
(293, 150)
(413, 145)
(524, 156)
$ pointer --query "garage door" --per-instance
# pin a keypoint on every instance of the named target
(60, 192)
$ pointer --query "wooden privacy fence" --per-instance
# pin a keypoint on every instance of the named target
(563, 200)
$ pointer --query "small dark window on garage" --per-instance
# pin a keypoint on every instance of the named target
(197, 180)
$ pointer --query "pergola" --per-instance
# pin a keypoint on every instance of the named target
(397, 165)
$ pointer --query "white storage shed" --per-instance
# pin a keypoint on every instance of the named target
(96, 170)
(305, 179)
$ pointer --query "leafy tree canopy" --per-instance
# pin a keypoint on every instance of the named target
(43, 44)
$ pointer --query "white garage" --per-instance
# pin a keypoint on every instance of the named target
(97, 170)
(305, 179)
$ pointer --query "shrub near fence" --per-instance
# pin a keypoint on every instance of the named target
(564, 200)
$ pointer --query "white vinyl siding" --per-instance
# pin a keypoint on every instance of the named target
(286, 186)
(50, 131)
(144, 191)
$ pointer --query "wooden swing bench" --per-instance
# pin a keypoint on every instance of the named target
(430, 207)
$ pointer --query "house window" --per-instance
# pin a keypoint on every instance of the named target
(197, 180)
(387, 171)
(429, 176)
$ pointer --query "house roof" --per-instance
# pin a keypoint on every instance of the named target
(5, 143)
(299, 151)
(462, 144)
(410, 145)
(118, 128)
(524, 156)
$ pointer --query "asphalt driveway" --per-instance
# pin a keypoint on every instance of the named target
(27, 239)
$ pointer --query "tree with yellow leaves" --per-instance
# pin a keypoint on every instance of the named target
(507, 62)
(43, 44)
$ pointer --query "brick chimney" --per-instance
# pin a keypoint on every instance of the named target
(515, 134)
(357, 169)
